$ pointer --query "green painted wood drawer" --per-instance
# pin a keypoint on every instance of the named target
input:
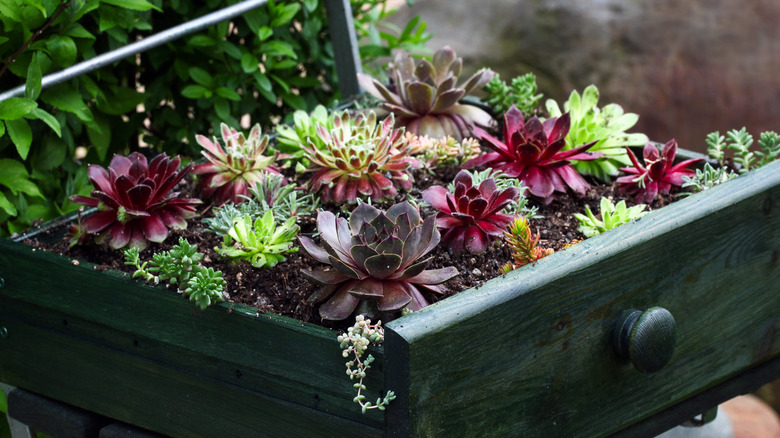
(528, 354)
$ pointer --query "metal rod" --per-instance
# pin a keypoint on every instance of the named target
(141, 46)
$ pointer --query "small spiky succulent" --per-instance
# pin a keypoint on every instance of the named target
(470, 217)
(521, 92)
(361, 159)
(424, 95)
(376, 257)
(606, 126)
(612, 215)
(657, 175)
(532, 153)
(706, 178)
(135, 202)
(263, 242)
(232, 169)
(524, 245)
(447, 151)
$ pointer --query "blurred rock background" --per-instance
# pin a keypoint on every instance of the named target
(687, 68)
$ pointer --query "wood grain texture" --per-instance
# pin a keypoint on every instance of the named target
(528, 354)
(230, 344)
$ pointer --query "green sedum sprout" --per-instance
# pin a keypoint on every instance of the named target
(264, 243)
(521, 93)
(706, 178)
(612, 215)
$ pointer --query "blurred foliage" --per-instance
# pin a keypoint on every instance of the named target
(258, 68)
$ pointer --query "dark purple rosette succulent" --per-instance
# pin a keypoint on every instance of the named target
(471, 218)
(532, 153)
(134, 200)
(376, 257)
(657, 175)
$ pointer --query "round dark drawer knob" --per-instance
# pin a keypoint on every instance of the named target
(645, 338)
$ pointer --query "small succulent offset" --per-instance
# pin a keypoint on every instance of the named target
(520, 93)
(134, 200)
(361, 159)
(612, 215)
(605, 126)
(424, 95)
(533, 153)
(524, 245)
(180, 267)
(470, 216)
(263, 242)
(447, 151)
(376, 258)
(354, 343)
(657, 175)
(231, 170)
(503, 181)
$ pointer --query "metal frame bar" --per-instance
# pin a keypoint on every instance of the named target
(339, 15)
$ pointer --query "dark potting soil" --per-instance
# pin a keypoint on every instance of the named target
(284, 291)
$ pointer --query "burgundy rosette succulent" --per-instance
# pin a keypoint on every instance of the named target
(471, 217)
(134, 200)
(230, 171)
(532, 153)
(376, 258)
(657, 175)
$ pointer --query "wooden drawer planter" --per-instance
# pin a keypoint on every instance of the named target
(528, 354)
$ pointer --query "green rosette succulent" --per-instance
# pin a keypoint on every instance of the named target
(292, 138)
(264, 243)
(376, 257)
(605, 126)
(612, 215)
(424, 95)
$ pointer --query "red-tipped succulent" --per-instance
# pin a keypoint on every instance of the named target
(232, 170)
(532, 153)
(657, 175)
(470, 218)
(375, 258)
(134, 200)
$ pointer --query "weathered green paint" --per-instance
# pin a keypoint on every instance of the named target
(279, 360)
(528, 354)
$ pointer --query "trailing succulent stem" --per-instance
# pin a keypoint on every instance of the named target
(180, 267)
(612, 215)
(354, 344)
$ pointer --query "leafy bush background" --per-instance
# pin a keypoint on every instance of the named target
(260, 67)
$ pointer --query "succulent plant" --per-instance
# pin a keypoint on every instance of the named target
(376, 258)
(612, 215)
(657, 175)
(706, 178)
(232, 169)
(263, 242)
(361, 159)
(521, 92)
(524, 245)
(447, 151)
(292, 138)
(470, 217)
(740, 141)
(135, 202)
(424, 95)
(605, 126)
(532, 153)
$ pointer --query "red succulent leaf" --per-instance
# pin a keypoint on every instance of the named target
(657, 175)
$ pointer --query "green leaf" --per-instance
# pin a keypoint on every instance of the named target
(278, 48)
(62, 49)
(121, 101)
(9, 208)
(48, 119)
(14, 176)
(99, 133)
(2, 128)
(201, 41)
(37, 5)
(194, 91)
(201, 76)
(263, 82)
(285, 15)
(67, 98)
(310, 5)
(76, 30)
(222, 108)
(15, 108)
(32, 87)
(21, 135)
(264, 32)
(136, 5)
(228, 93)
(249, 63)
(51, 155)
